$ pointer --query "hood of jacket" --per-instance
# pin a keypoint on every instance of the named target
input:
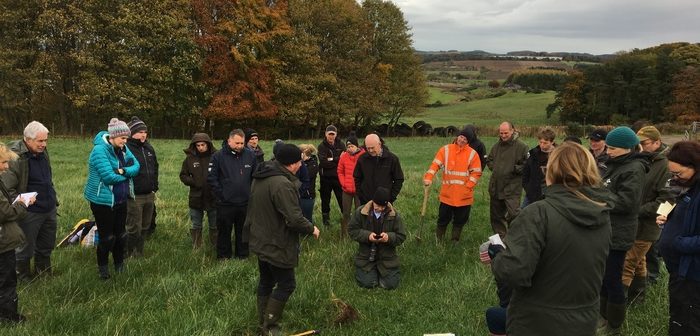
(470, 133)
(643, 158)
(101, 139)
(200, 137)
(272, 168)
(580, 212)
(18, 147)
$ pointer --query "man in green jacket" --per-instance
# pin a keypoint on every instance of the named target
(506, 160)
(654, 192)
(274, 223)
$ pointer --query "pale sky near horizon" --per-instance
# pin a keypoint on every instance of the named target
(592, 26)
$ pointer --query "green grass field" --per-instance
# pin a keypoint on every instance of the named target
(174, 291)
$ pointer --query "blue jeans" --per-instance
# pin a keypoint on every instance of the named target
(307, 208)
(197, 217)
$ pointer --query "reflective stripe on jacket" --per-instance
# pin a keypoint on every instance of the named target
(461, 171)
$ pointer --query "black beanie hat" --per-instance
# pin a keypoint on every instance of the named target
(136, 125)
(288, 154)
(381, 196)
(249, 133)
(352, 140)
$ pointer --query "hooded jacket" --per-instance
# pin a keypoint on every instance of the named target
(230, 175)
(554, 261)
(476, 144)
(506, 160)
(11, 235)
(654, 192)
(146, 181)
(274, 220)
(533, 174)
(461, 171)
(102, 171)
(625, 180)
(308, 190)
(346, 166)
(359, 229)
(680, 239)
(372, 172)
(194, 171)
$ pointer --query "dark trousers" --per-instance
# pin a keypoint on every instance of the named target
(230, 219)
(111, 222)
(458, 215)
(275, 282)
(612, 280)
(684, 310)
(40, 231)
(328, 184)
(307, 208)
(653, 264)
(8, 284)
(496, 320)
(503, 211)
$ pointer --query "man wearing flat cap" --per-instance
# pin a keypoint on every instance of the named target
(329, 151)
(599, 149)
(378, 229)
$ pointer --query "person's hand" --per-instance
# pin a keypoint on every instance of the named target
(120, 171)
(427, 183)
(384, 237)
(661, 220)
(372, 239)
(317, 232)
(495, 249)
(32, 200)
(484, 253)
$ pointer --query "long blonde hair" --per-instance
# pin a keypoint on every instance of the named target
(6, 154)
(572, 166)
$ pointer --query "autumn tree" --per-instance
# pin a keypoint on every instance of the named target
(686, 95)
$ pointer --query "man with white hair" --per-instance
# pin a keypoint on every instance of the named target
(32, 173)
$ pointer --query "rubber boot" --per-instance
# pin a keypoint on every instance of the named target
(262, 305)
(273, 314)
(23, 270)
(213, 236)
(326, 219)
(196, 238)
(119, 268)
(603, 318)
(8, 312)
(637, 290)
(440, 232)
(616, 316)
(456, 232)
(343, 228)
(42, 265)
(130, 246)
(138, 247)
(104, 271)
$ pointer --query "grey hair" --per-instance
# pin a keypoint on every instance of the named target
(34, 128)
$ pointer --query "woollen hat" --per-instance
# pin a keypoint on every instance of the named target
(117, 128)
(598, 134)
(622, 137)
(331, 129)
(381, 196)
(288, 154)
(648, 133)
(136, 125)
(249, 134)
(352, 140)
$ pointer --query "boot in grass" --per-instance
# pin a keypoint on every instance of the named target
(262, 305)
(326, 219)
(24, 272)
(196, 238)
(456, 232)
(119, 268)
(42, 265)
(440, 232)
(636, 291)
(273, 314)
(103, 271)
(343, 228)
(603, 318)
(616, 317)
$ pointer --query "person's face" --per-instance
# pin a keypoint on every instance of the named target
(462, 140)
(351, 148)
(373, 147)
(236, 142)
(140, 135)
(4, 165)
(545, 145)
(38, 144)
(118, 142)
(596, 145)
(330, 137)
(680, 173)
(505, 132)
(378, 208)
(615, 151)
(294, 168)
(202, 146)
(649, 145)
(253, 142)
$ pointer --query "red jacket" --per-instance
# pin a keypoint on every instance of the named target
(346, 166)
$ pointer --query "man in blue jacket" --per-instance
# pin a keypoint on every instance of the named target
(230, 175)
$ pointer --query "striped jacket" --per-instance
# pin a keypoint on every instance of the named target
(461, 171)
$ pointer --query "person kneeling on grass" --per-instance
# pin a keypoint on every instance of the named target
(379, 230)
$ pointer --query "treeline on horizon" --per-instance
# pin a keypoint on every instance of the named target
(190, 65)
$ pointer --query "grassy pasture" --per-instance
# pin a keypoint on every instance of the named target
(174, 291)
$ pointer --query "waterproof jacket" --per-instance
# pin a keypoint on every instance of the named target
(601, 161)
(146, 181)
(680, 238)
(16, 178)
(274, 220)
(625, 180)
(346, 167)
(476, 144)
(654, 192)
(461, 170)
(372, 172)
(533, 174)
(328, 157)
(554, 261)
(11, 235)
(308, 191)
(259, 154)
(102, 171)
(231, 174)
(506, 160)
(194, 172)
(361, 226)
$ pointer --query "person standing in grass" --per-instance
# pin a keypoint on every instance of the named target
(140, 208)
(346, 167)
(378, 167)
(461, 171)
(307, 191)
(11, 237)
(111, 169)
(251, 140)
(329, 151)
(556, 251)
(680, 240)
(273, 224)
(193, 174)
(533, 172)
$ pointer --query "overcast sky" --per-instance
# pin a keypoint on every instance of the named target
(593, 26)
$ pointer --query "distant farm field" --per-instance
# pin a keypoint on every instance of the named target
(493, 69)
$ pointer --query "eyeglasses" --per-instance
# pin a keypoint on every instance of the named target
(677, 173)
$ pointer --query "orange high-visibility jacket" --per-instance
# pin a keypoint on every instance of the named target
(461, 171)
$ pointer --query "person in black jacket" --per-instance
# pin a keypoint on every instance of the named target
(535, 166)
(194, 172)
(475, 143)
(329, 151)
(230, 175)
(378, 167)
(140, 209)
(307, 191)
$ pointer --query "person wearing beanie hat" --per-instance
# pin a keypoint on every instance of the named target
(275, 222)
(624, 179)
(461, 170)
(140, 221)
(378, 229)
(346, 167)
(111, 169)
(329, 151)
(251, 140)
(194, 172)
